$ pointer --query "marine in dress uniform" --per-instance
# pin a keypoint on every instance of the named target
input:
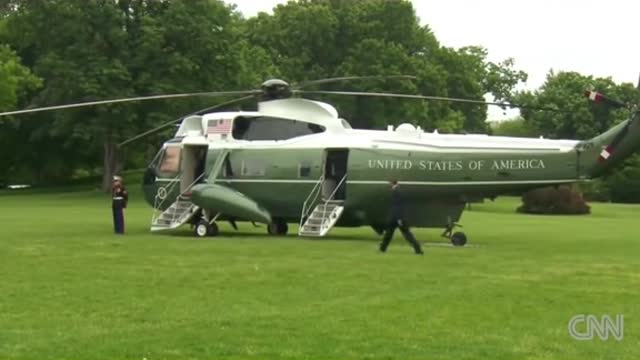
(397, 220)
(120, 197)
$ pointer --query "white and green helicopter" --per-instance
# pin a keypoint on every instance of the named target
(295, 160)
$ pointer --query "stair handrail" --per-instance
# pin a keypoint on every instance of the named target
(159, 200)
(330, 198)
(175, 216)
(305, 208)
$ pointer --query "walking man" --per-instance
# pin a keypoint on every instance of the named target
(120, 197)
(396, 220)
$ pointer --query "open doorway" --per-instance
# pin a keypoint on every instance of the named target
(335, 169)
(194, 159)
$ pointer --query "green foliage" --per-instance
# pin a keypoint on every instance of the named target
(15, 79)
(624, 182)
(553, 201)
(380, 37)
(106, 49)
(595, 190)
(579, 118)
(514, 127)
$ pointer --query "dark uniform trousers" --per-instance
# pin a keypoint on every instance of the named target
(119, 202)
(397, 221)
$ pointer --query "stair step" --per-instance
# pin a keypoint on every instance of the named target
(315, 221)
(177, 214)
(303, 233)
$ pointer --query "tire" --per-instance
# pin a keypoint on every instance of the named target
(458, 239)
(278, 227)
(213, 229)
(202, 228)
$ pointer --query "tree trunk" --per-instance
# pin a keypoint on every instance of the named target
(112, 164)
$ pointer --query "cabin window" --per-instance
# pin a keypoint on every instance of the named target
(270, 128)
(304, 170)
(253, 168)
(170, 162)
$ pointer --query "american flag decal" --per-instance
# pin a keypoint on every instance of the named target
(221, 126)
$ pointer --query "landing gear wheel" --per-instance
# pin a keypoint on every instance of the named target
(203, 229)
(278, 227)
(213, 229)
(458, 239)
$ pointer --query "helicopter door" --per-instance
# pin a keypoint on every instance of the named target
(193, 165)
(335, 169)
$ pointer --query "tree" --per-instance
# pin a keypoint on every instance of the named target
(514, 127)
(577, 118)
(15, 82)
(15, 79)
(111, 49)
(313, 39)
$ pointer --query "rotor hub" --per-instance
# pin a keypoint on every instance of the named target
(275, 89)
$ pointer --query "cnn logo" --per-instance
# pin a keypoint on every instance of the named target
(583, 327)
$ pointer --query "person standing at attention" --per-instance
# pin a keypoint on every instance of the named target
(397, 220)
(119, 199)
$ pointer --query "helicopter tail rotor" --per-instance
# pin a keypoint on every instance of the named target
(600, 98)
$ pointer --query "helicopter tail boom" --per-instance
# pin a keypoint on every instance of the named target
(603, 152)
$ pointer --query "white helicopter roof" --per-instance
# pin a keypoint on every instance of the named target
(196, 130)
(310, 111)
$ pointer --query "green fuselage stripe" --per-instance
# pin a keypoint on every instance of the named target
(377, 182)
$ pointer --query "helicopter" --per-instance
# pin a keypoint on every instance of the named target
(296, 160)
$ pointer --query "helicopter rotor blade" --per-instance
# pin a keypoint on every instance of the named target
(345, 78)
(424, 97)
(138, 98)
(167, 124)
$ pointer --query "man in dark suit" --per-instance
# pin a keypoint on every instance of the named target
(397, 220)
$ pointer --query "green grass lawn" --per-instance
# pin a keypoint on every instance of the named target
(70, 289)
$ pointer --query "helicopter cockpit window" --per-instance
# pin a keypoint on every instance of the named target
(270, 128)
(170, 161)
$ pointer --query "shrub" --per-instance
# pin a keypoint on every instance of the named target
(595, 190)
(554, 200)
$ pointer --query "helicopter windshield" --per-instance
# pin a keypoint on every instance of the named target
(271, 128)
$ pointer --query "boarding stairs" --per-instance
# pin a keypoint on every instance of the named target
(325, 214)
(182, 210)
